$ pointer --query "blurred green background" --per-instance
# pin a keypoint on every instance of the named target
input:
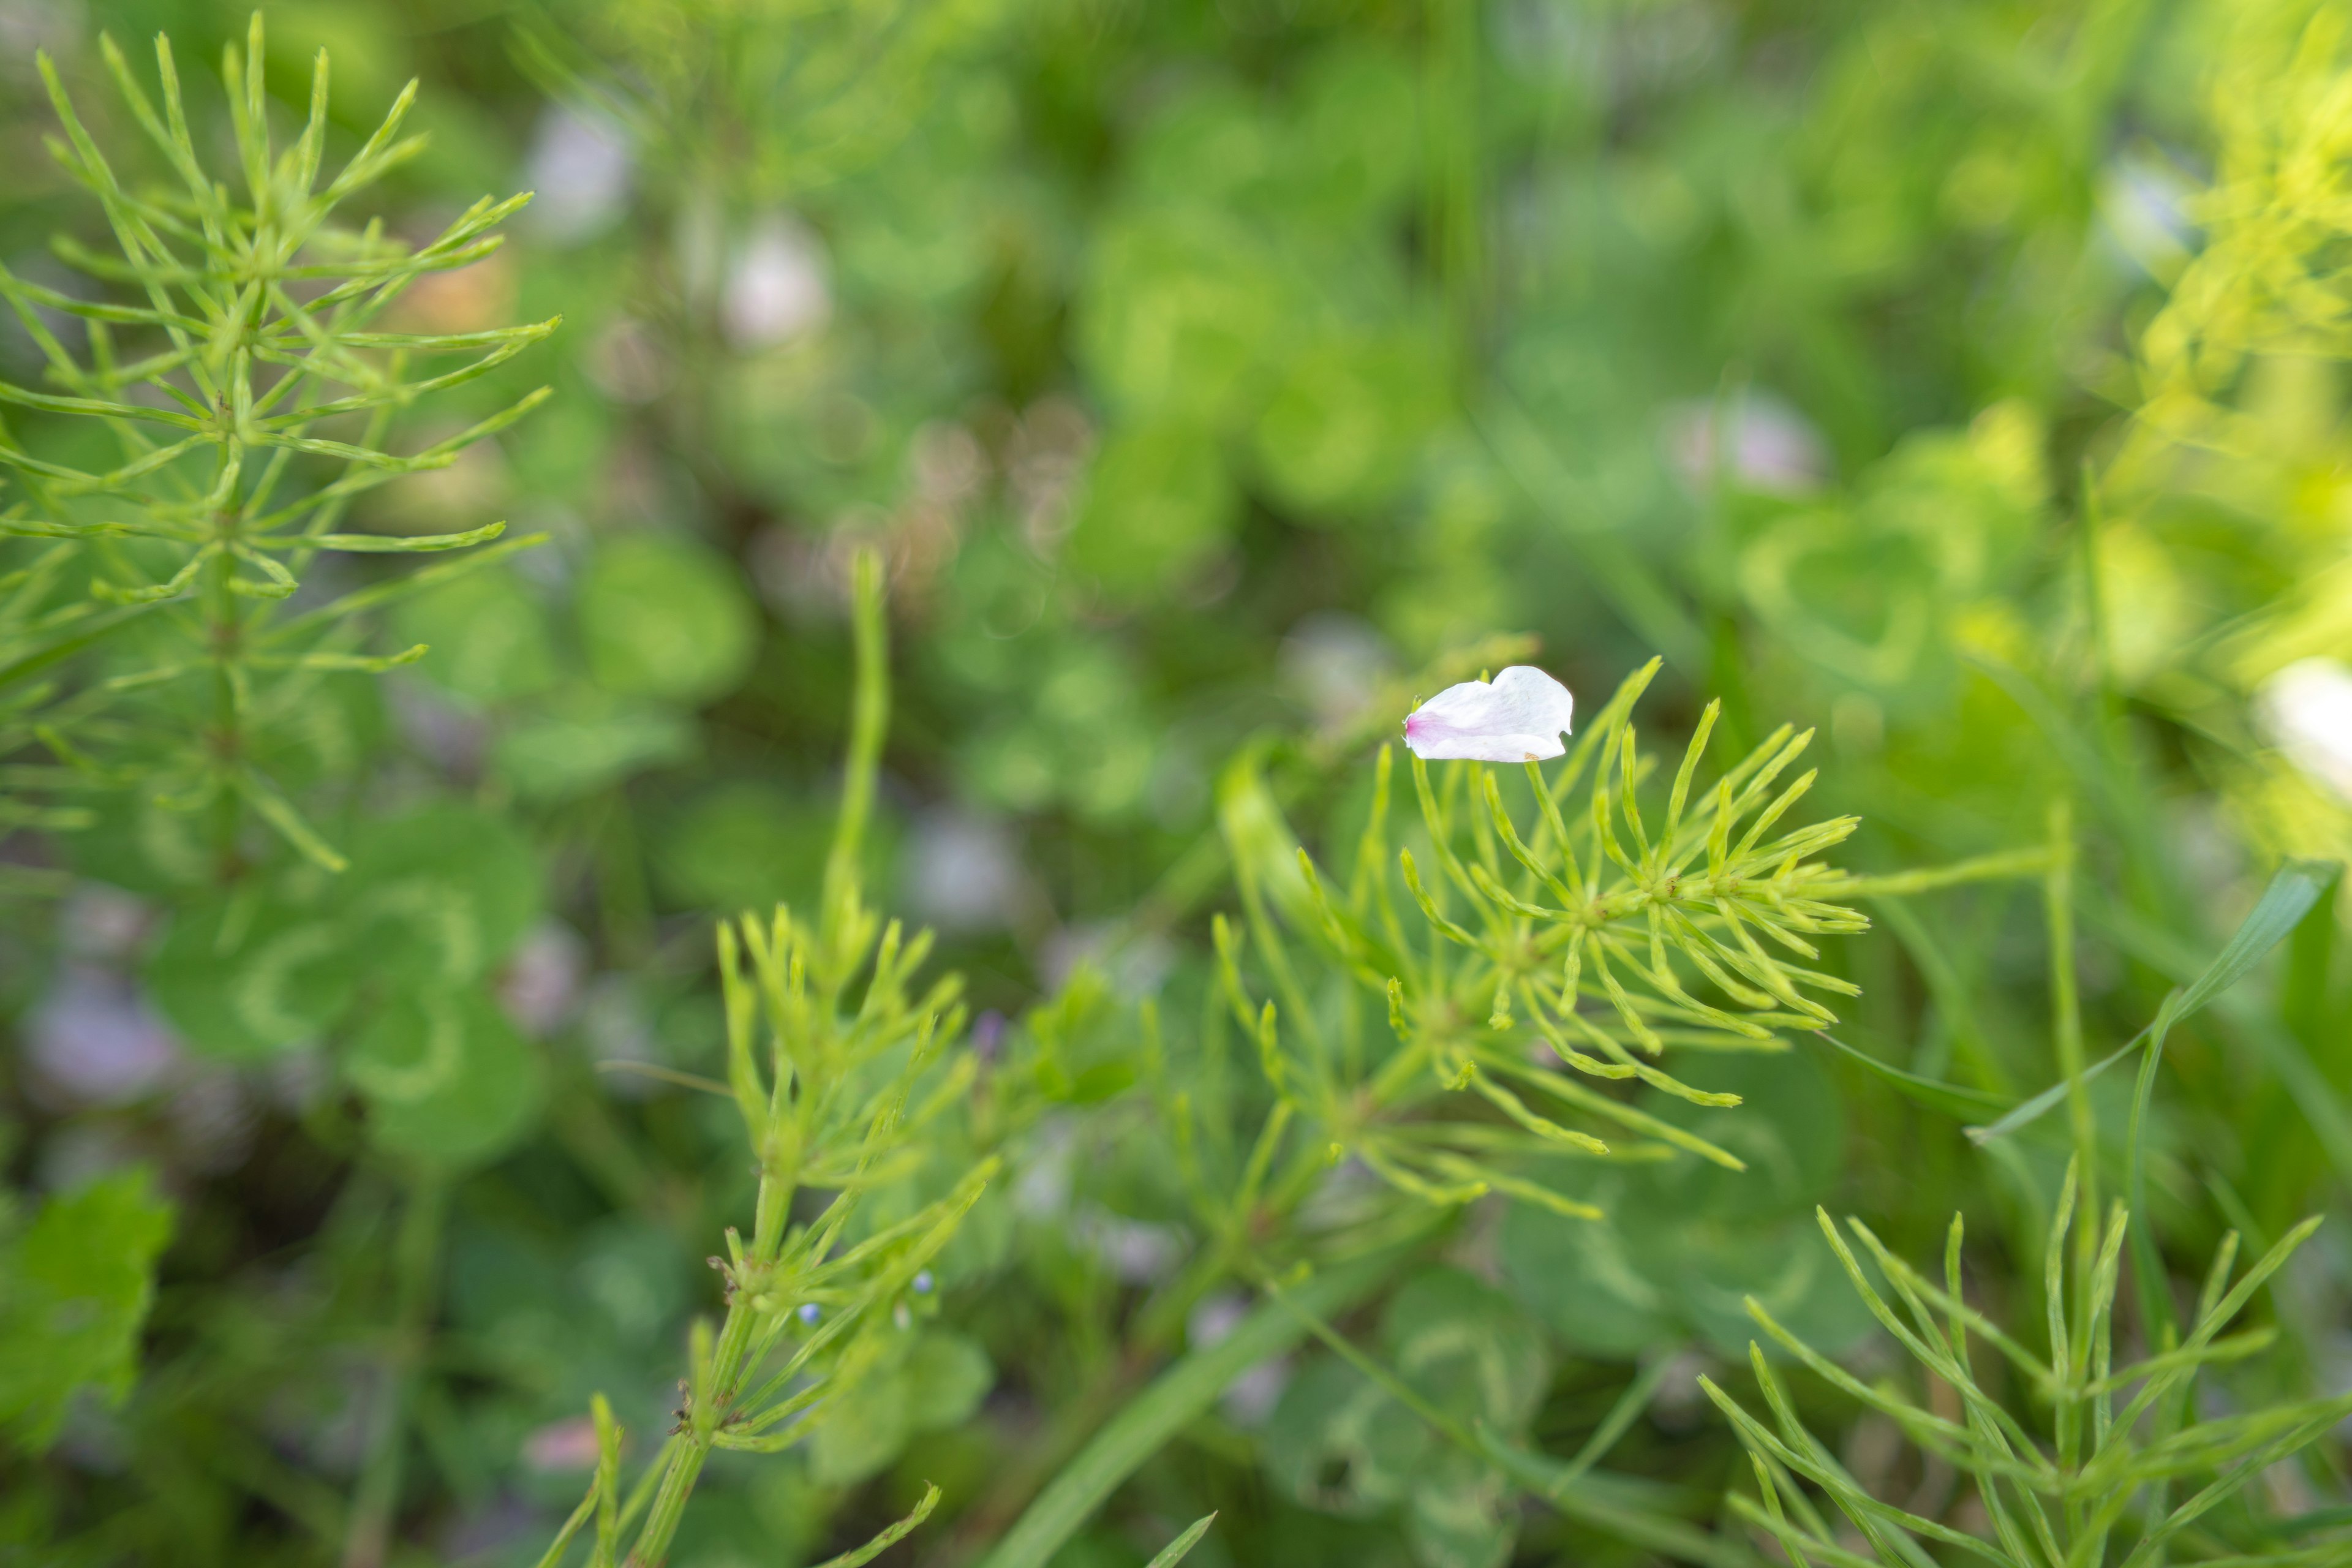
(1962, 379)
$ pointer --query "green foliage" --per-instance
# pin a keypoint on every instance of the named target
(2113, 1481)
(1583, 903)
(1341, 1443)
(75, 1286)
(1691, 1238)
(247, 394)
(660, 618)
(836, 1095)
(1964, 385)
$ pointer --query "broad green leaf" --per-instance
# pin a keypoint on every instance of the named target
(241, 977)
(946, 1376)
(1178, 314)
(1159, 504)
(936, 1382)
(863, 1429)
(142, 845)
(747, 845)
(438, 897)
(666, 616)
(1339, 1443)
(1467, 1348)
(1342, 427)
(446, 1078)
(488, 634)
(582, 746)
(74, 1290)
(1462, 1512)
(1682, 1241)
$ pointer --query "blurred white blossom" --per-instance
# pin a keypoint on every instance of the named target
(963, 872)
(1337, 662)
(579, 174)
(1136, 1251)
(2144, 213)
(2307, 708)
(1250, 1398)
(777, 285)
(566, 1444)
(103, 924)
(616, 1026)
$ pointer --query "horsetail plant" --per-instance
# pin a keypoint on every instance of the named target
(246, 398)
(839, 1088)
(2095, 1482)
(1614, 943)
(2123, 1443)
(836, 1088)
(1567, 948)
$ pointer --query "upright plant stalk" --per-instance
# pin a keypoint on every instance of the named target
(417, 1254)
(2106, 1484)
(247, 400)
(835, 1093)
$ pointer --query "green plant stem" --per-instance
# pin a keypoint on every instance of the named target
(731, 1360)
(417, 1258)
(1174, 1400)
(869, 721)
(2066, 1005)
(224, 628)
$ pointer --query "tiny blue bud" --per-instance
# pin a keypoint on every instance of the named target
(923, 1283)
(811, 1311)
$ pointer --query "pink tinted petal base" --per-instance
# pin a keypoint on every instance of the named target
(1518, 716)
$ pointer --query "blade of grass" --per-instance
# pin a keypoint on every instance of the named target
(1174, 1400)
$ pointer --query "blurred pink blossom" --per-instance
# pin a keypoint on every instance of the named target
(1754, 440)
(93, 1040)
(566, 1444)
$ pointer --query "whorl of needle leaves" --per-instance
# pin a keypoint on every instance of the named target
(2123, 1444)
(1616, 935)
(245, 403)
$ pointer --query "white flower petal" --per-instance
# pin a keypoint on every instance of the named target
(1518, 718)
(2308, 709)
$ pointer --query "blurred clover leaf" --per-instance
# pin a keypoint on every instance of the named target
(1868, 589)
(75, 1286)
(1686, 1241)
(1178, 314)
(399, 945)
(245, 975)
(438, 897)
(1340, 1442)
(585, 741)
(663, 615)
(747, 845)
(1346, 421)
(448, 1080)
(938, 1380)
(1158, 504)
(489, 635)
